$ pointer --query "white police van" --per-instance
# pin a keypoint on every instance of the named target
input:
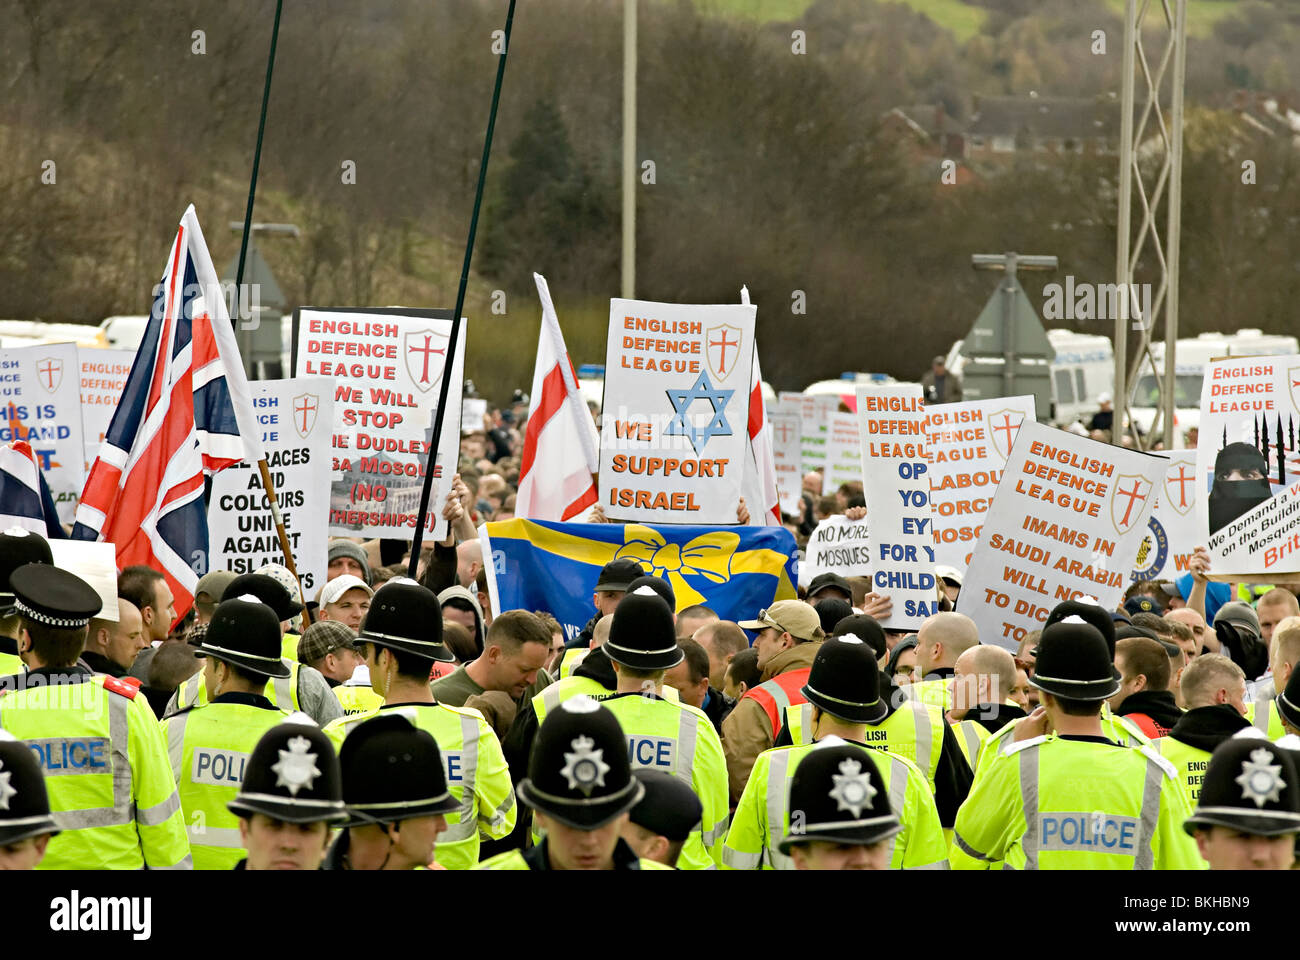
(1190, 357)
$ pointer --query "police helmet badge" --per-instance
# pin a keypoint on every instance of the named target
(296, 768)
(853, 789)
(6, 791)
(585, 768)
(1260, 780)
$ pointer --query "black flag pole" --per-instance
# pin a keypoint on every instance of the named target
(268, 485)
(432, 458)
(257, 158)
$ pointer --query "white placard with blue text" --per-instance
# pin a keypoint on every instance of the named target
(40, 393)
(896, 486)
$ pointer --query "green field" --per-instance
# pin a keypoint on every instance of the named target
(961, 18)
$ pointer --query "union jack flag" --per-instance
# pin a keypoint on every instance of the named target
(25, 499)
(185, 414)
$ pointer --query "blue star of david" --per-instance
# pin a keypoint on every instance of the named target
(682, 400)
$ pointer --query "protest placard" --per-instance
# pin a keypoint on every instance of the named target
(94, 561)
(103, 375)
(968, 444)
(676, 411)
(843, 452)
(1065, 522)
(814, 412)
(836, 545)
(1171, 537)
(897, 490)
(472, 414)
(1248, 464)
(387, 366)
(786, 434)
(295, 417)
(40, 392)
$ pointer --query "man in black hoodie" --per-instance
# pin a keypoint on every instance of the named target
(1214, 689)
(1144, 696)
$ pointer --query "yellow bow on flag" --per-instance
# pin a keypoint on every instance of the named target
(708, 555)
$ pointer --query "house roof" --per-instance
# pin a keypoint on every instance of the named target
(1048, 117)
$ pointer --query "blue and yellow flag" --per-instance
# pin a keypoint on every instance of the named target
(543, 565)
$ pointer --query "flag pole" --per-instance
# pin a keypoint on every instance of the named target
(432, 459)
(267, 485)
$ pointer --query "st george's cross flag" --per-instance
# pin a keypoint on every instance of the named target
(560, 442)
(185, 414)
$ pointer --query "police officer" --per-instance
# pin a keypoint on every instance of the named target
(663, 734)
(1248, 814)
(401, 639)
(658, 827)
(1062, 796)
(97, 740)
(840, 816)
(303, 688)
(580, 788)
(17, 547)
(209, 744)
(396, 796)
(25, 822)
(292, 792)
(1115, 728)
(907, 728)
(843, 693)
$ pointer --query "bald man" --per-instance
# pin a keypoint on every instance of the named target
(941, 640)
(1274, 607)
(692, 618)
(982, 682)
(1205, 639)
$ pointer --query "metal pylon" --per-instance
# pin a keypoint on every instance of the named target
(1152, 178)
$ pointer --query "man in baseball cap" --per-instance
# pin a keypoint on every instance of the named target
(346, 599)
(1248, 814)
(611, 586)
(580, 788)
(292, 792)
(789, 634)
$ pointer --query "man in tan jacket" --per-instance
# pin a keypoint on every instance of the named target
(789, 634)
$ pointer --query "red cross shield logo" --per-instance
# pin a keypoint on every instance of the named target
(49, 373)
(1180, 488)
(426, 357)
(722, 348)
(305, 406)
(1003, 426)
(1128, 497)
